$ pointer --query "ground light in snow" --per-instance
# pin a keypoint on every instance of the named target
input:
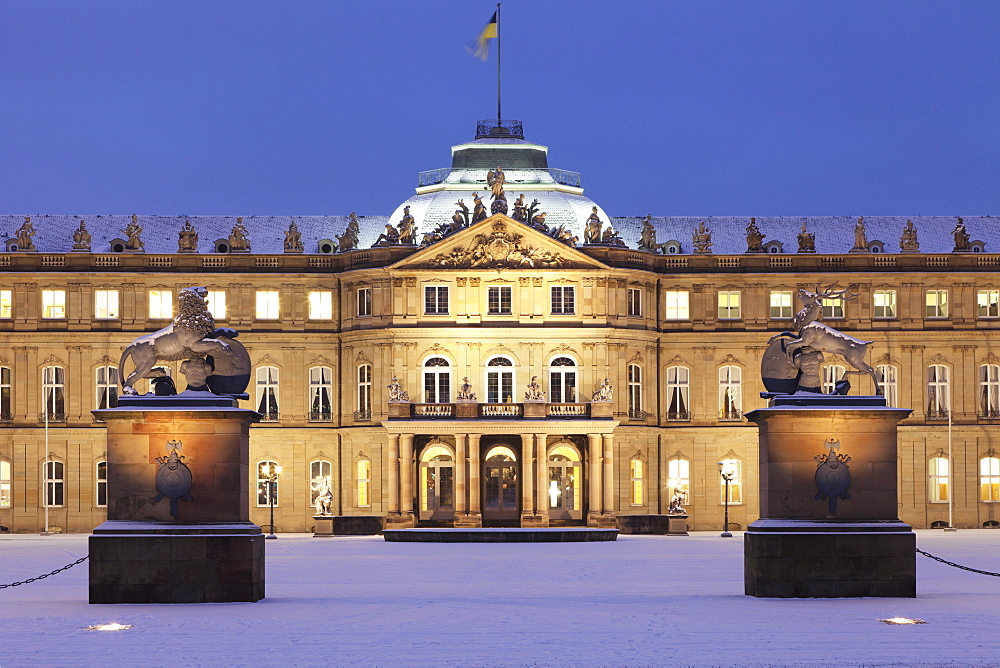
(113, 626)
(902, 620)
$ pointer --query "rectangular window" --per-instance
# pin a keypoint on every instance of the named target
(6, 304)
(988, 303)
(364, 302)
(54, 304)
(53, 394)
(678, 481)
(364, 411)
(268, 304)
(781, 304)
(215, 300)
(563, 300)
(161, 304)
(884, 303)
(937, 483)
(5, 393)
(321, 394)
(677, 305)
(101, 486)
(730, 393)
(635, 302)
(937, 303)
(499, 300)
(833, 308)
(107, 386)
(731, 470)
(320, 484)
(729, 305)
(321, 305)
(267, 484)
(638, 481)
(989, 479)
(364, 483)
(54, 484)
(267, 393)
(5, 484)
(436, 300)
(106, 305)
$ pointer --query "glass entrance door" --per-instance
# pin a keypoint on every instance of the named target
(565, 484)
(500, 497)
(437, 484)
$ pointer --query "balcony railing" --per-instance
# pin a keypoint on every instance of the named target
(470, 410)
(499, 128)
(53, 417)
(684, 416)
(730, 416)
(433, 410)
(501, 410)
(363, 416)
(513, 177)
(988, 414)
(637, 414)
(569, 410)
(268, 417)
(937, 414)
(320, 417)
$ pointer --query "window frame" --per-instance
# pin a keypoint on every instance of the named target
(934, 383)
(216, 303)
(363, 483)
(635, 302)
(938, 481)
(264, 488)
(268, 392)
(988, 391)
(316, 476)
(676, 386)
(633, 376)
(725, 299)
(937, 300)
(318, 386)
(501, 291)
(637, 481)
(53, 484)
(565, 303)
(888, 307)
(832, 374)
(735, 485)
(101, 484)
(364, 391)
(676, 305)
(6, 483)
(107, 389)
(563, 380)
(989, 479)
(6, 304)
(363, 302)
(987, 300)
(53, 304)
(158, 300)
(678, 477)
(503, 372)
(436, 300)
(320, 305)
(725, 413)
(439, 377)
(891, 382)
(109, 312)
(6, 393)
(267, 305)
(833, 309)
(782, 307)
(54, 389)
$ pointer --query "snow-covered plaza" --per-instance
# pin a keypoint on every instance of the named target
(642, 600)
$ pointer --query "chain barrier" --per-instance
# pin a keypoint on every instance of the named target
(42, 577)
(952, 563)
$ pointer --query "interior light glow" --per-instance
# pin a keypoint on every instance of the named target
(113, 626)
(902, 620)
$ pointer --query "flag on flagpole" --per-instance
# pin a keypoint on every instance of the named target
(481, 47)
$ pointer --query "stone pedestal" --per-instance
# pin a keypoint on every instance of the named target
(468, 521)
(663, 525)
(828, 530)
(323, 526)
(404, 521)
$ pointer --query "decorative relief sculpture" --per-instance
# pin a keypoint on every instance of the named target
(908, 242)
(349, 239)
(465, 392)
(755, 239)
(647, 238)
(702, 239)
(535, 391)
(24, 236)
(81, 238)
(239, 240)
(187, 239)
(499, 249)
(961, 238)
(134, 233)
(324, 497)
(479, 209)
(495, 179)
(459, 221)
(604, 392)
(807, 240)
(592, 228)
(833, 475)
(293, 239)
(860, 237)
(173, 477)
(396, 392)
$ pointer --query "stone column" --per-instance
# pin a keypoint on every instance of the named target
(393, 474)
(406, 474)
(594, 500)
(542, 473)
(609, 475)
(475, 470)
(461, 481)
(527, 480)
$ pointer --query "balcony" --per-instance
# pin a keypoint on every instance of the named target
(470, 410)
(466, 175)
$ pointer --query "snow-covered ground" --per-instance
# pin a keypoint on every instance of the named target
(640, 600)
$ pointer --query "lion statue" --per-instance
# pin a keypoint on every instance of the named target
(190, 335)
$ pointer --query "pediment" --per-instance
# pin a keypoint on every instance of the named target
(499, 242)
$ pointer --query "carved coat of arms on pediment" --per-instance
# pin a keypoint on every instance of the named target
(499, 249)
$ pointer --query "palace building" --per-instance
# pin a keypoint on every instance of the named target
(547, 362)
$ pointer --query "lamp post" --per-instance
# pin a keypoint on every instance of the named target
(272, 487)
(727, 476)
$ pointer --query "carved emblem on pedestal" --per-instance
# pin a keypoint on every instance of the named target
(173, 477)
(833, 475)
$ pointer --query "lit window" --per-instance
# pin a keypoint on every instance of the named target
(884, 303)
(5, 393)
(437, 381)
(364, 483)
(161, 304)
(937, 303)
(562, 380)
(677, 305)
(637, 472)
(635, 392)
(266, 489)
(53, 304)
(499, 300)
(833, 308)
(499, 381)
(635, 302)
(54, 484)
(106, 305)
(215, 300)
(267, 393)
(268, 304)
(54, 393)
(831, 374)
(563, 300)
(6, 477)
(729, 304)
(989, 479)
(678, 479)
(364, 393)
(321, 394)
(364, 302)
(730, 393)
(781, 304)
(988, 303)
(321, 305)
(678, 393)
(101, 485)
(938, 393)
(107, 386)
(937, 483)
(888, 381)
(734, 468)
(436, 299)
(320, 480)
(989, 391)
(6, 304)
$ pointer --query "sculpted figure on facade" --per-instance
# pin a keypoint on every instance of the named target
(239, 240)
(592, 228)
(390, 237)
(702, 239)
(520, 210)
(293, 239)
(349, 239)
(604, 392)
(535, 391)
(755, 238)
(465, 392)
(461, 217)
(807, 240)
(647, 238)
(81, 238)
(677, 503)
(407, 229)
(496, 179)
(610, 237)
(860, 237)
(24, 235)
(187, 239)
(396, 392)
(962, 243)
(324, 497)
(908, 242)
(134, 233)
(478, 209)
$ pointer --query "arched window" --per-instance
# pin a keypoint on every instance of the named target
(888, 383)
(321, 394)
(831, 374)
(635, 411)
(989, 391)
(734, 468)
(562, 380)
(363, 482)
(320, 479)
(5, 394)
(730, 393)
(107, 386)
(266, 489)
(364, 410)
(678, 480)
(55, 481)
(500, 381)
(437, 482)
(565, 483)
(938, 479)
(101, 484)
(54, 393)
(6, 480)
(678, 393)
(637, 473)
(989, 479)
(938, 392)
(437, 381)
(267, 393)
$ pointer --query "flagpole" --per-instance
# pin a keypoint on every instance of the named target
(498, 66)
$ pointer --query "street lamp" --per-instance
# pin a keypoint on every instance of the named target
(272, 487)
(728, 477)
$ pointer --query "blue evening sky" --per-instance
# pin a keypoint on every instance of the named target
(672, 108)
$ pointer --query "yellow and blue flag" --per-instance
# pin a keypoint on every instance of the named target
(481, 47)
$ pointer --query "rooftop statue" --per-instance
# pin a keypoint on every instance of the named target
(860, 238)
(755, 239)
(702, 239)
(134, 233)
(610, 237)
(520, 211)
(239, 241)
(647, 239)
(479, 209)
(461, 217)
(293, 239)
(407, 228)
(807, 240)
(388, 238)
(908, 242)
(24, 235)
(961, 238)
(187, 238)
(561, 233)
(349, 239)
(81, 238)
(592, 228)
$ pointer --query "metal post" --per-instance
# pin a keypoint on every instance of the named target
(727, 476)
(498, 66)
(272, 486)
(45, 472)
(951, 477)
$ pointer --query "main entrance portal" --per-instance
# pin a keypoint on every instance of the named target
(500, 481)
